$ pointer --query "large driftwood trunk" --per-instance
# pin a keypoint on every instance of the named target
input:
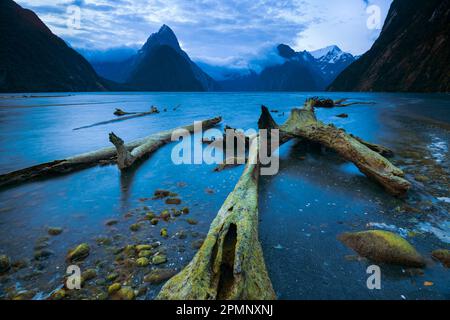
(230, 264)
(89, 159)
(303, 123)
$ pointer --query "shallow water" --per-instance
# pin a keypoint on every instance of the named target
(302, 209)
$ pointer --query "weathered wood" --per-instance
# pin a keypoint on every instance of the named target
(304, 124)
(230, 264)
(329, 103)
(132, 116)
(121, 113)
(89, 159)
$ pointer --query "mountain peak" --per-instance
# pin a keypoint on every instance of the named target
(165, 36)
(325, 51)
(286, 51)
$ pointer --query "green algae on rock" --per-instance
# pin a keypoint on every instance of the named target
(443, 256)
(114, 288)
(159, 259)
(158, 276)
(230, 264)
(383, 247)
(124, 293)
(142, 262)
(54, 231)
(79, 253)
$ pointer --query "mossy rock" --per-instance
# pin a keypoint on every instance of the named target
(142, 262)
(185, 210)
(145, 253)
(164, 233)
(87, 275)
(125, 293)
(58, 294)
(383, 247)
(54, 231)
(421, 178)
(158, 276)
(154, 221)
(79, 253)
(150, 215)
(142, 247)
(192, 221)
(159, 259)
(165, 215)
(443, 256)
(112, 276)
(114, 288)
(135, 227)
(5, 263)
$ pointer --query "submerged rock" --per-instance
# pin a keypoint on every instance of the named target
(5, 263)
(135, 227)
(443, 256)
(111, 222)
(159, 275)
(384, 247)
(54, 231)
(58, 294)
(79, 253)
(192, 221)
(125, 293)
(421, 178)
(174, 201)
(42, 254)
(87, 275)
(342, 115)
(161, 194)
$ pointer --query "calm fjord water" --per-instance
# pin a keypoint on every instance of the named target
(315, 197)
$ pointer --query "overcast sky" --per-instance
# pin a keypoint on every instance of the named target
(214, 31)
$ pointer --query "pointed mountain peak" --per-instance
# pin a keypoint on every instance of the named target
(165, 36)
(286, 51)
(325, 51)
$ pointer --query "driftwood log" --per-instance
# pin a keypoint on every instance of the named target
(153, 110)
(329, 103)
(230, 264)
(89, 159)
(302, 123)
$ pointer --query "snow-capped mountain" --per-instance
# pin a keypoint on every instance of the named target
(332, 61)
(293, 71)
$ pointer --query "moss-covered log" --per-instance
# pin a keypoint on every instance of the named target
(230, 263)
(86, 160)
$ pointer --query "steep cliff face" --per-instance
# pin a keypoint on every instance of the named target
(33, 59)
(412, 53)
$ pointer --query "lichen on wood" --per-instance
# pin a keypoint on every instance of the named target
(230, 263)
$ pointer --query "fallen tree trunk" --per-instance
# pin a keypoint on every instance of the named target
(328, 103)
(89, 159)
(137, 115)
(121, 113)
(304, 124)
(230, 263)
